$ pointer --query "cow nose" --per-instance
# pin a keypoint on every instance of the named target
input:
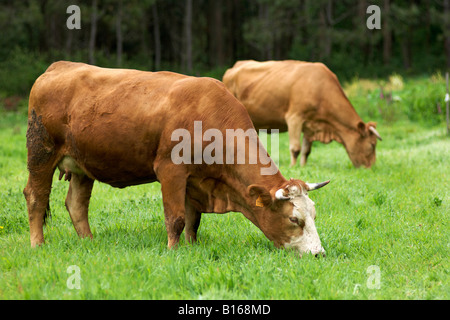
(320, 253)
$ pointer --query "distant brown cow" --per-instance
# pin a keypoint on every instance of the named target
(302, 97)
(117, 126)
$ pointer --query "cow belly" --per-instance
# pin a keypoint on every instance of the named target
(121, 173)
(264, 117)
(267, 125)
(110, 151)
(116, 177)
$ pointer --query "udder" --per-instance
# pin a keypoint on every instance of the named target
(67, 166)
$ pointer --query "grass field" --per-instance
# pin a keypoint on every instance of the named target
(385, 231)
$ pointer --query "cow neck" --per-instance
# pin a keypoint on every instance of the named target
(249, 175)
(344, 131)
(345, 123)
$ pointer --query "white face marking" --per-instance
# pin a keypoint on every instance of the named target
(304, 211)
(279, 194)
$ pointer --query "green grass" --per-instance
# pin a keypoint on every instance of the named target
(393, 216)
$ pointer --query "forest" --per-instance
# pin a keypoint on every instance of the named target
(203, 37)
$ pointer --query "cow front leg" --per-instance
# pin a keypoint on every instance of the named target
(174, 216)
(192, 220)
(77, 203)
(173, 189)
(306, 150)
(294, 130)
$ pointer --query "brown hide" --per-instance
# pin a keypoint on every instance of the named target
(301, 97)
(115, 126)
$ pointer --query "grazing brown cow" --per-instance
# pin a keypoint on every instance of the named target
(302, 97)
(121, 127)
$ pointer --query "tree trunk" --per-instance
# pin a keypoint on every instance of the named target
(326, 18)
(188, 35)
(306, 30)
(228, 31)
(447, 30)
(406, 52)
(68, 46)
(119, 41)
(219, 32)
(156, 37)
(263, 16)
(387, 33)
(427, 26)
(322, 35)
(93, 32)
(361, 27)
(216, 35)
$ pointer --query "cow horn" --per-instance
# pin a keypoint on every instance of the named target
(375, 132)
(315, 186)
(279, 195)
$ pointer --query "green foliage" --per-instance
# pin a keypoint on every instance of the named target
(437, 202)
(19, 71)
(422, 101)
(418, 99)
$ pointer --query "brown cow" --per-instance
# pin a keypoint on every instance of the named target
(117, 126)
(302, 97)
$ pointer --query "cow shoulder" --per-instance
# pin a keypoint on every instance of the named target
(242, 62)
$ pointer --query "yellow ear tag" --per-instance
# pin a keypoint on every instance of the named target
(259, 202)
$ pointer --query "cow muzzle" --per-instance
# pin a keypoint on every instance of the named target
(303, 247)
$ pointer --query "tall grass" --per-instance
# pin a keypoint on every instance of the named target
(393, 216)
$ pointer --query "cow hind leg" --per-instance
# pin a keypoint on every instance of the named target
(192, 221)
(37, 193)
(77, 203)
(41, 166)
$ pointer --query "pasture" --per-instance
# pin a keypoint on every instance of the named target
(385, 231)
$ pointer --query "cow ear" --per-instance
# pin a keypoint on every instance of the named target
(362, 129)
(371, 124)
(260, 195)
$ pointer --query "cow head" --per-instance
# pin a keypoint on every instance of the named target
(286, 215)
(361, 147)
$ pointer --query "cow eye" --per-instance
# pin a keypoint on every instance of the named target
(294, 220)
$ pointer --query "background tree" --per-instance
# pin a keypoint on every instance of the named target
(206, 36)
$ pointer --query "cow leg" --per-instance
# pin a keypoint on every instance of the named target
(174, 213)
(173, 189)
(77, 203)
(306, 150)
(37, 193)
(41, 163)
(192, 220)
(294, 130)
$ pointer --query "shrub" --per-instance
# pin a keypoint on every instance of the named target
(19, 71)
(418, 99)
(421, 100)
